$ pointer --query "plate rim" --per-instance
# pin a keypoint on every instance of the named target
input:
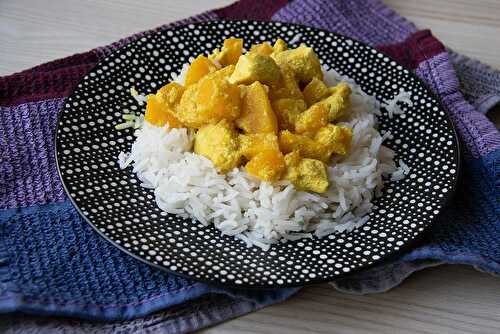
(457, 155)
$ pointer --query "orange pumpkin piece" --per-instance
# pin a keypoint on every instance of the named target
(158, 113)
(160, 108)
(315, 91)
(311, 120)
(267, 165)
(253, 144)
(199, 68)
(262, 48)
(171, 93)
(224, 72)
(287, 111)
(257, 115)
(210, 100)
(231, 51)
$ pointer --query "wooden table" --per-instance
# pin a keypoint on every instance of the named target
(447, 299)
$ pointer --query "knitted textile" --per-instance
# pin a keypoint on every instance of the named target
(52, 263)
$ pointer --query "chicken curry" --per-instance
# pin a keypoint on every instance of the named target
(267, 109)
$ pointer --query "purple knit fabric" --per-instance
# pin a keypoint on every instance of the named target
(479, 134)
(479, 83)
(368, 21)
(29, 154)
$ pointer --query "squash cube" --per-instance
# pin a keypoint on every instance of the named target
(257, 115)
(267, 165)
(200, 67)
(253, 144)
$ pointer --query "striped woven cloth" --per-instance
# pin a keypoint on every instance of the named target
(53, 264)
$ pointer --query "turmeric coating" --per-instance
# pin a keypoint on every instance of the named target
(219, 143)
(306, 174)
(267, 110)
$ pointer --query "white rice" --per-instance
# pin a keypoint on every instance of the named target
(392, 106)
(259, 213)
(296, 38)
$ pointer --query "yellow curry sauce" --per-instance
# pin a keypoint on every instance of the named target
(267, 109)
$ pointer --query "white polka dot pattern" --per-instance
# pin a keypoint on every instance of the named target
(113, 201)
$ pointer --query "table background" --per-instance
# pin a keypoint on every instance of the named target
(446, 299)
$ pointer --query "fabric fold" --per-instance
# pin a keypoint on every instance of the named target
(52, 263)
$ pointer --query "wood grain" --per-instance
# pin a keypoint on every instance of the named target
(468, 27)
(447, 299)
(32, 32)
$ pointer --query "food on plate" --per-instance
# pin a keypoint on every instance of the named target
(227, 96)
(265, 144)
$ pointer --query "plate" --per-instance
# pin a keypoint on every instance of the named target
(114, 203)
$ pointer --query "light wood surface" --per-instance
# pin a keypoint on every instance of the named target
(447, 299)
(36, 31)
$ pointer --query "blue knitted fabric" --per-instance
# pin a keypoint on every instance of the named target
(53, 262)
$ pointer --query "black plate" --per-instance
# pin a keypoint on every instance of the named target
(111, 200)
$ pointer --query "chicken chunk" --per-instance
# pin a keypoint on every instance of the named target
(315, 91)
(339, 102)
(267, 165)
(303, 61)
(306, 174)
(287, 111)
(280, 46)
(307, 147)
(200, 67)
(209, 100)
(160, 106)
(311, 120)
(336, 139)
(219, 143)
(287, 86)
(253, 67)
(343, 89)
(253, 144)
(257, 115)
(225, 72)
(292, 159)
(263, 48)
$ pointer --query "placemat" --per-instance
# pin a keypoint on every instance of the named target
(53, 264)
